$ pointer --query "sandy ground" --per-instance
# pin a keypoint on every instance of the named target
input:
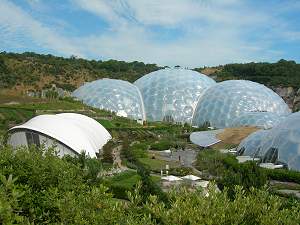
(233, 136)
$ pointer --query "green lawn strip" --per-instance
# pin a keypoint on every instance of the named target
(157, 164)
(126, 181)
(105, 123)
(287, 186)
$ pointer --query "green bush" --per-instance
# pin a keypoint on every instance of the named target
(120, 184)
(107, 155)
(248, 175)
(181, 171)
(229, 172)
(36, 187)
(162, 145)
(139, 150)
(284, 175)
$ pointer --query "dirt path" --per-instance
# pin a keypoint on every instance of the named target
(117, 158)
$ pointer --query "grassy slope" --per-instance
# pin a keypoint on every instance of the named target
(30, 71)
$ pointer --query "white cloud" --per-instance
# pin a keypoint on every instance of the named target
(211, 31)
(17, 23)
(167, 32)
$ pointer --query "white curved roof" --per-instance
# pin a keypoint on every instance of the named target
(77, 131)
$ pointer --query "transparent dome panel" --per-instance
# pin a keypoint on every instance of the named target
(221, 104)
(117, 96)
(172, 94)
(282, 144)
(263, 120)
(251, 145)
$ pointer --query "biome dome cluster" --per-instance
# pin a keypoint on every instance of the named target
(186, 96)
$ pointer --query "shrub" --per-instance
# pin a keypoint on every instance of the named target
(284, 175)
(107, 152)
(181, 171)
(161, 145)
(36, 187)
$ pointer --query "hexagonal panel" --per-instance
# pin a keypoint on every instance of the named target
(224, 102)
(118, 96)
(172, 94)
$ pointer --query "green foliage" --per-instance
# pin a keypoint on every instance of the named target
(148, 186)
(9, 196)
(229, 172)
(284, 175)
(161, 145)
(11, 116)
(51, 94)
(281, 73)
(29, 68)
(180, 171)
(36, 187)
(157, 165)
(139, 150)
(107, 152)
(120, 184)
(37, 168)
(258, 207)
(211, 162)
(247, 174)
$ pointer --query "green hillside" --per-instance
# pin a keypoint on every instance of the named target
(282, 73)
(31, 71)
(35, 71)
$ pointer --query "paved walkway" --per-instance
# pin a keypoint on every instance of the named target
(186, 157)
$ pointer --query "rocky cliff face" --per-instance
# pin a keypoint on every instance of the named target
(290, 95)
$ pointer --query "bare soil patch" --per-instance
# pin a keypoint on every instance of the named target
(234, 136)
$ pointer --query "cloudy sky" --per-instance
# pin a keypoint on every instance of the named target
(189, 33)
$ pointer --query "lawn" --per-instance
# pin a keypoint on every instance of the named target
(157, 164)
(127, 179)
(106, 123)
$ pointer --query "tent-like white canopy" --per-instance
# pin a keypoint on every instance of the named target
(205, 138)
(78, 132)
(191, 177)
(171, 178)
(97, 134)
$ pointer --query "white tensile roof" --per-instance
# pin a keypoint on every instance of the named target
(98, 134)
(191, 177)
(79, 132)
(205, 138)
(171, 178)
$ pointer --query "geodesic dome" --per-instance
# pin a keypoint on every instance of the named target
(224, 102)
(251, 145)
(113, 95)
(282, 144)
(264, 120)
(172, 94)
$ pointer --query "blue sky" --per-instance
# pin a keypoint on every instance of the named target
(189, 33)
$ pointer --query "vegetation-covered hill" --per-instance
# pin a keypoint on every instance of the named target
(35, 71)
(282, 73)
(31, 71)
